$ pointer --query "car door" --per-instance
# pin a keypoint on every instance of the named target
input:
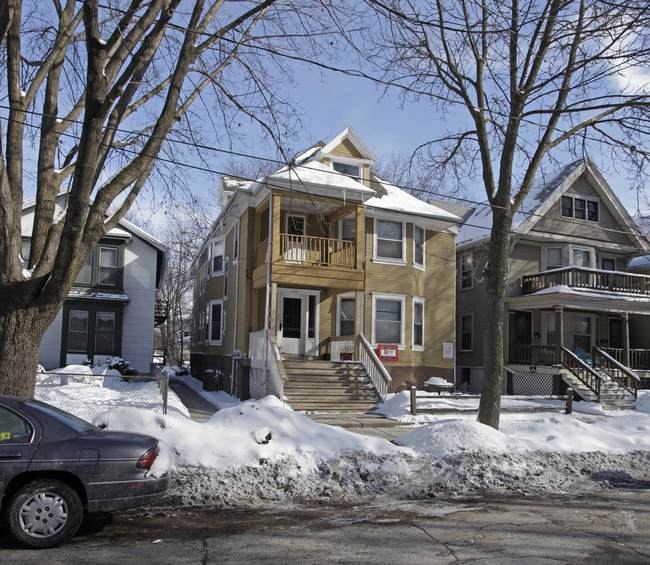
(18, 442)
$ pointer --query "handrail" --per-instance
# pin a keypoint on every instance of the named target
(592, 383)
(376, 370)
(613, 373)
(275, 368)
(318, 250)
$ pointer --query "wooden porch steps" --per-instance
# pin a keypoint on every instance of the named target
(612, 395)
(328, 386)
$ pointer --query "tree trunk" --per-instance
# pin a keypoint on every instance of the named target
(21, 331)
(493, 332)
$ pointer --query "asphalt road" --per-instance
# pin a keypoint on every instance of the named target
(609, 527)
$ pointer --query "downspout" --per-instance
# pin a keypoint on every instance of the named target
(267, 311)
(234, 342)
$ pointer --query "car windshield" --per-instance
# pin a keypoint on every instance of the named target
(62, 416)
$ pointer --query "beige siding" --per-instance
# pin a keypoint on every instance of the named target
(347, 149)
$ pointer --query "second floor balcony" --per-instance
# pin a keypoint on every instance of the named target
(588, 279)
(310, 261)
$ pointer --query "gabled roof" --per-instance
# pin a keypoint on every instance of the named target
(545, 193)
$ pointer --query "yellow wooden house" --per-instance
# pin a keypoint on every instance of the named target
(324, 284)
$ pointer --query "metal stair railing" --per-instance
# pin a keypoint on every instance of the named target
(584, 372)
(615, 370)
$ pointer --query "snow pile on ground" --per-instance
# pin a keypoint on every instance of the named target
(254, 452)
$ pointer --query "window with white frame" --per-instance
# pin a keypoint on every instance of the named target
(418, 246)
(388, 319)
(418, 323)
(347, 229)
(582, 257)
(466, 270)
(296, 225)
(348, 169)
(580, 208)
(389, 241)
(347, 314)
(206, 322)
(216, 321)
(554, 258)
(466, 331)
(225, 277)
(216, 256)
(551, 328)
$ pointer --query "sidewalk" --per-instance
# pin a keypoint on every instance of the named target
(361, 423)
(199, 408)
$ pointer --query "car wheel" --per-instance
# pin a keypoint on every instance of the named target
(44, 513)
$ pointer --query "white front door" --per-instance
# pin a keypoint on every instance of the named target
(297, 322)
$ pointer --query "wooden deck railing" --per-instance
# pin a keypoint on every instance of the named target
(583, 371)
(532, 354)
(575, 277)
(639, 358)
(318, 250)
(616, 371)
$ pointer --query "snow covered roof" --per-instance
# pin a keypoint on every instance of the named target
(397, 200)
(547, 189)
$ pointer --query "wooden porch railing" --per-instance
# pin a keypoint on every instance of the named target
(583, 371)
(378, 373)
(532, 354)
(318, 250)
(616, 371)
(575, 277)
(639, 358)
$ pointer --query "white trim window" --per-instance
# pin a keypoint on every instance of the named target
(216, 321)
(352, 170)
(347, 229)
(390, 242)
(554, 258)
(388, 319)
(418, 246)
(466, 332)
(216, 256)
(582, 257)
(226, 270)
(296, 224)
(418, 324)
(346, 313)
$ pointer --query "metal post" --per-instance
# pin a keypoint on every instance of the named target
(414, 408)
(569, 401)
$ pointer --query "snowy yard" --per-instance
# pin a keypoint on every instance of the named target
(254, 452)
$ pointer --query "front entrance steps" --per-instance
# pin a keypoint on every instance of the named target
(328, 386)
(612, 395)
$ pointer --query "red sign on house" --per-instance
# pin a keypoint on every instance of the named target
(387, 352)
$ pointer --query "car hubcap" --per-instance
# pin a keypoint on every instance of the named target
(43, 514)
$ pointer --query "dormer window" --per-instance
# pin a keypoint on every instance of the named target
(353, 171)
(580, 208)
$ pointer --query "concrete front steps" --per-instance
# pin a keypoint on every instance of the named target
(612, 396)
(327, 386)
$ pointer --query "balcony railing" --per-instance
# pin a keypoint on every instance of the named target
(575, 277)
(532, 354)
(321, 251)
(639, 358)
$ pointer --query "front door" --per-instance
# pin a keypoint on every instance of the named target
(296, 327)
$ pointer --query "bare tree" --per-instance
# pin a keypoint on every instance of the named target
(95, 93)
(524, 82)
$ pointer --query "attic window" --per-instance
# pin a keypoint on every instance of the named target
(580, 208)
(352, 171)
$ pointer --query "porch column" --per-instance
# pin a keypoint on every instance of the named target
(273, 307)
(625, 322)
(274, 218)
(358, 217)
(559, 334)
(358, 321)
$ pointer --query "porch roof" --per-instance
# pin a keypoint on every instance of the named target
(581, 299)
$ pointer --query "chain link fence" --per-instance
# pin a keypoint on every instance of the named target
(87, 394)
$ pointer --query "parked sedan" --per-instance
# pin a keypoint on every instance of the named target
(55, 467)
